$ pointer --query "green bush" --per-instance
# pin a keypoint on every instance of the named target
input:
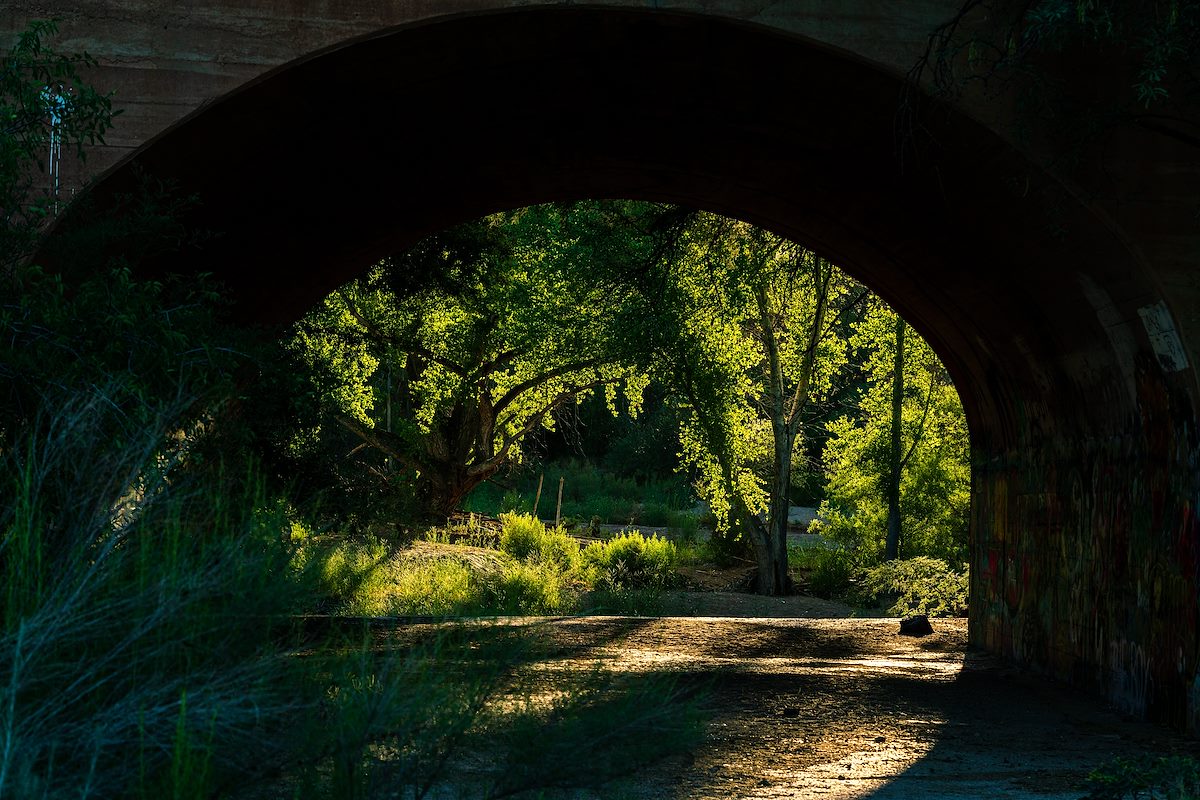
(833, 573)
(527, 589)
(920, 585)
(525, 538)
(1149, 777)
(349, 572)
(631, 561)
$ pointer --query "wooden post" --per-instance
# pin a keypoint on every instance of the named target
(538, 497)
(558, 511)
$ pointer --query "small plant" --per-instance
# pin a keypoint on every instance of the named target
(1146, 778)
(627, 602)
(833, 573)
(632, 561)
(527, 589)
(525, 538)
(920, 585)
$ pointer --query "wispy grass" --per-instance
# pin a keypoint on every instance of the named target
(148, 649)
(135, 632)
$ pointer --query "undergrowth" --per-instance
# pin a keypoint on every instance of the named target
(592, 495)
(1146, 778)
(533, 570)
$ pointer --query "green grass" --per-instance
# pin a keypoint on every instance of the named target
(148, 645)
(533, 570)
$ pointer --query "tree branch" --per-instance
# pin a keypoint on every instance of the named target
(532, 383)
(387, 443)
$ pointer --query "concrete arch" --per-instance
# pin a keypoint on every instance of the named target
(1078, 387)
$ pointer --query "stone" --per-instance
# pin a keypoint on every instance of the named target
(916, 625)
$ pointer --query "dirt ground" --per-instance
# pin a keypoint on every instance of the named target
(847, 708)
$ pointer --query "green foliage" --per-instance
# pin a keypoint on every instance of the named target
(533, 574)
(833, 574)
(631, 561)
(528, 588)
(527, 539)
(1146, 778)
(593, 493)
(35, 77)
(746, 344)
(441, 361)
(918, 585)
(935, 474)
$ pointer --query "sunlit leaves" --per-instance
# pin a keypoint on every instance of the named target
(470, 340)
(935, 476)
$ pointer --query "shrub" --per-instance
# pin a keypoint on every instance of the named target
(631, 561)
(920, 585)
(1153, 778)
(444, 587)
(527, 589)
(833, 573)
(526, 539)
(349, 573)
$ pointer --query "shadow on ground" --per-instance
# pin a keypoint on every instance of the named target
(847, 708)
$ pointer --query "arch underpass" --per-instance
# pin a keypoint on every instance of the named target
(1067, 325)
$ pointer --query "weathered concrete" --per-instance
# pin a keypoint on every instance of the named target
(324, 135)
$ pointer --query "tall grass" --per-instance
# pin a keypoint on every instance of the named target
(148, 650)
(138, 619)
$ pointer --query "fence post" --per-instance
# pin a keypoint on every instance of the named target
(558, 510)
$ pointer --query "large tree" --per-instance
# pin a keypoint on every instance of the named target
(756, 318)
(897, 460)
(439, 382)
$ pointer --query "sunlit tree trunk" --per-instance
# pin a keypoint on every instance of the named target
(785, 405)
(895, 464)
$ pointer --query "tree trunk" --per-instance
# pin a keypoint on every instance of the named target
(446, 493)
(892, 545)
(769, 557)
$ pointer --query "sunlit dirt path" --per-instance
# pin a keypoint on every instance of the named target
(847, 708)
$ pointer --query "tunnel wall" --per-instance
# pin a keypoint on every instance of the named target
(1085, 564)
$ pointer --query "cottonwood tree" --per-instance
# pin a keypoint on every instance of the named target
(756, 318)
(441, 385)
(897, 463)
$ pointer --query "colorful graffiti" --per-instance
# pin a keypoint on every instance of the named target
(1087, 568)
